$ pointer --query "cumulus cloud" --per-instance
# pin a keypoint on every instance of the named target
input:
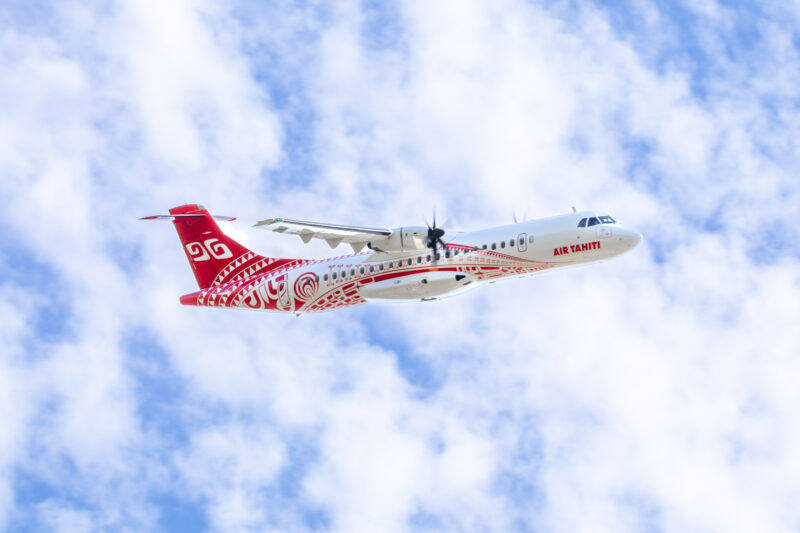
(651, 392)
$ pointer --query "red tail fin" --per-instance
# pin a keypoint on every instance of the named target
(215, 258)
(208, 249)
(213, 255)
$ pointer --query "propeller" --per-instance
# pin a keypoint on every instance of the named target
(434, 237)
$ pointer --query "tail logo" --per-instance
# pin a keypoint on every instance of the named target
(200, 252)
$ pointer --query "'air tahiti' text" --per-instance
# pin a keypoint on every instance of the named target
(572, 248)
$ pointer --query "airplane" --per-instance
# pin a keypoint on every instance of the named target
(406, 263)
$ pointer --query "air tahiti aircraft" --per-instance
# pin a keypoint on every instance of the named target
(408, 263)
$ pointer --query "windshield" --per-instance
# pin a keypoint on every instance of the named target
(593, 221)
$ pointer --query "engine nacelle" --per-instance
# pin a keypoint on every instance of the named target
(401, 240)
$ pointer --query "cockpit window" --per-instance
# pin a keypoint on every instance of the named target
(593, 221)
(607, 220)
(582, 223)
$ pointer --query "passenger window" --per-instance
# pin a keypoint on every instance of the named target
(593, 222)
(325, 277)
(455, 252)
(344, 273)
(334, 275)
(352, 271)
(502, 244)
(511, 243)
(484, 246)
(582, 223)
(428, 258)
(447, 254)
(371, 269)
(419, 259)
(380, 267)
(409, 261)
(391, 264)
(475, 248)
(494, 246)
(361, 270)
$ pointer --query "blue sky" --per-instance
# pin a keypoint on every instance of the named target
(656, 392)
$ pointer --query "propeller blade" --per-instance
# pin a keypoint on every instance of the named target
(434, 238)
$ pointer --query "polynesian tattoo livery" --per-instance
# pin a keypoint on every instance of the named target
(408, 263)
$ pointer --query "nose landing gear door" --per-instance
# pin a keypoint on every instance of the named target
(522, 242)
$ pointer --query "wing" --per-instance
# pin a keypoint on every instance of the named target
(333, 234)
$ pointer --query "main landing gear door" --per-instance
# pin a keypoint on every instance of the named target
(522, 242)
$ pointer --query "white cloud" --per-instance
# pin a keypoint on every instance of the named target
(626, 395)
(229, 466)
(14, 408)
(63, 519)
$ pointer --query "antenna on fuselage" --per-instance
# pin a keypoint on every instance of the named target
(574, 210)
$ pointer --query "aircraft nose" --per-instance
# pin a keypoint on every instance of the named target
(626, 239)
(632, 238)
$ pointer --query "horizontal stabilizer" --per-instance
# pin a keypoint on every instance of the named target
(193, 215)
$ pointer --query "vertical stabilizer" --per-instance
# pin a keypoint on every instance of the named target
(215, 258)
(210, 252)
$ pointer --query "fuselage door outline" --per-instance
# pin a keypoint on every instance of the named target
(522, 242)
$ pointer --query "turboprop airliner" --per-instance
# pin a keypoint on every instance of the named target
(406, 263)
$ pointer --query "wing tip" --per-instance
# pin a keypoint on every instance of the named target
(266, 222)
